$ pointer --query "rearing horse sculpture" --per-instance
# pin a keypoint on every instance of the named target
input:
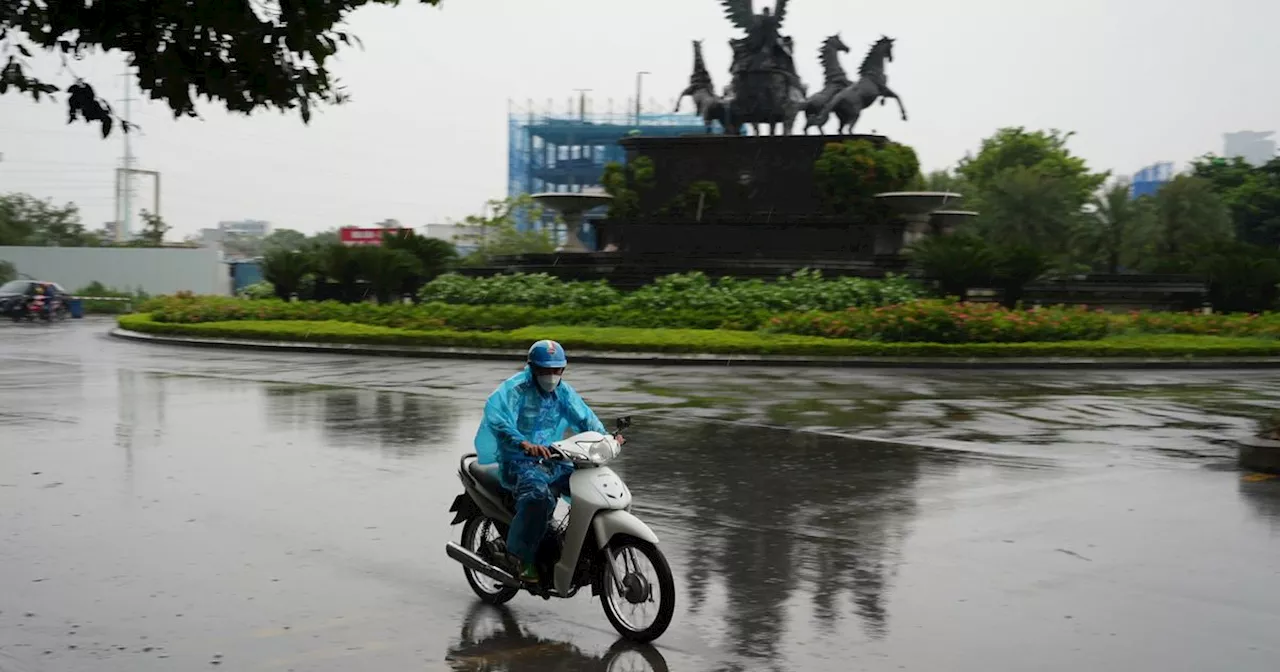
(872, 84)
(834, 81)
(709, 106)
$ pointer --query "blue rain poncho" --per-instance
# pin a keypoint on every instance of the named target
(518, 411)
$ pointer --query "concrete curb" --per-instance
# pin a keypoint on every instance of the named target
(672, 359)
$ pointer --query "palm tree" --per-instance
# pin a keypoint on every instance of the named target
(285, 270)
(385, 269)
(1109, 232)
(336, 262)
(958, 262)
(434, 256)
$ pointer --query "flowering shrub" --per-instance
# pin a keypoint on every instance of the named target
(518, 289)
(948, 322)
(1265, 324)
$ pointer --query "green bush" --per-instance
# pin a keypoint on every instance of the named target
(96, 288)
(519, 289)
(440, 315)
(917, 321)
(619, 339)
(949, 322)
(727, 297)
(849, 174)
(257, 290)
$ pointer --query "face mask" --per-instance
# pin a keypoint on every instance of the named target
(548, 382)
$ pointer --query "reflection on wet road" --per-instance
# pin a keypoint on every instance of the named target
(163, 508)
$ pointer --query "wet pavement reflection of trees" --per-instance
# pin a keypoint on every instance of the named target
(770, 512)
(493, 641)
(400, 425)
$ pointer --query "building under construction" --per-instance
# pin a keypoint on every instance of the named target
(567, 151)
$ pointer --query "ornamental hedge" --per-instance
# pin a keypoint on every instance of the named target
(622, 339)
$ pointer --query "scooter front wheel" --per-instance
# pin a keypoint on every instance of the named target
(637, 590)
(476, 535)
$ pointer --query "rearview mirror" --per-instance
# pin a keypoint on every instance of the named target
(624, 423)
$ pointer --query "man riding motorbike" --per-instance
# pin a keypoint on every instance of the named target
(528, 412)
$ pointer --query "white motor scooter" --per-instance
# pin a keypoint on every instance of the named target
(599, 544)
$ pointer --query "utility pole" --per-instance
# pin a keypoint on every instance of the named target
(582, 103)
(639, 86)
(124, 178)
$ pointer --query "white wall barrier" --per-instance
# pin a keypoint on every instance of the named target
(156, 270)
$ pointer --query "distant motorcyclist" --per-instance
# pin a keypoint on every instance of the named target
(38, 301)
(528, 412)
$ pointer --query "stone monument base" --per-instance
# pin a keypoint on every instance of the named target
(756, 175)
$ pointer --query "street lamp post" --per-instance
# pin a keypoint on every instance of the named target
(639, 87)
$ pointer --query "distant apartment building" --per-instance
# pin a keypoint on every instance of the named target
(462, 236)
(236, 239)
(1256, 147)
(249, 228)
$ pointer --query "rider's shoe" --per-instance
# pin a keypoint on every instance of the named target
(529, 573)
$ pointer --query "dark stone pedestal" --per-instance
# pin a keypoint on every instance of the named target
(756, 175)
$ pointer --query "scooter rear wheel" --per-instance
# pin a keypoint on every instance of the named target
(475, 537)
(630, 593)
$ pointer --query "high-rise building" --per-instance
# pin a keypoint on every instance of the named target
(1256, 147)
(1149, 180)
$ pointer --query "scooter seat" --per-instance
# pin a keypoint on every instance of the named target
(489, 476)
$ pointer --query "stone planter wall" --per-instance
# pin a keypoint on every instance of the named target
(1259, 454)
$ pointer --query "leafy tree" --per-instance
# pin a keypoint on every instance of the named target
(287, 240)
(1252, 194)
(285, 269)
(1045, 152)
(26, 220)
(1107, 236)
(247, 55)
(945, 181)
(153, 230)
(1028, 207)
(499, 235)
(7, 271)
(1187, 214)
(321, 241)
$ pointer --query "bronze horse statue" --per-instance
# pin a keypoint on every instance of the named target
(834, 81)
(711, 107)
(872, 85)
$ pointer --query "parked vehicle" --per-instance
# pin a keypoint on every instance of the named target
(33, 300)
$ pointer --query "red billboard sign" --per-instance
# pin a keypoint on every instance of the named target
(356, 235)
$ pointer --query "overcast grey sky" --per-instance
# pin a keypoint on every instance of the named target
(425, 138)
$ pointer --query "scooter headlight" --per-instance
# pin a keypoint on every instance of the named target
(603, 450)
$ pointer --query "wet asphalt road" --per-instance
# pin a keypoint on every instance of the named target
(165, 508)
